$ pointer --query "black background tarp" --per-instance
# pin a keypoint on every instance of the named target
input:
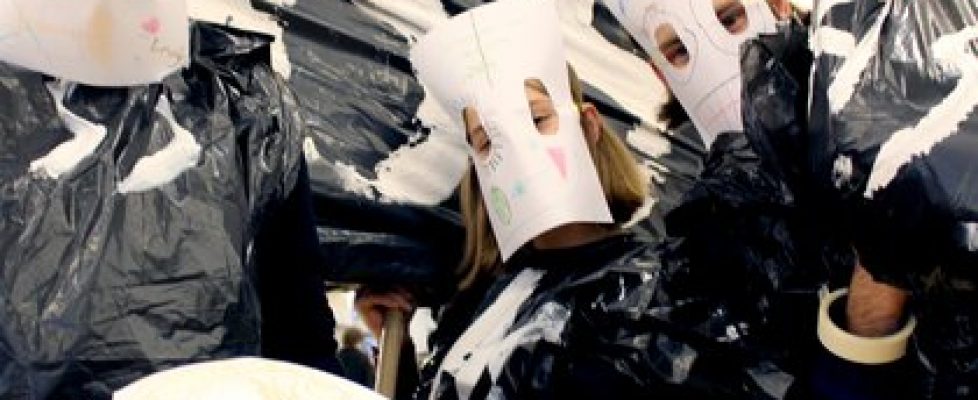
(98, 286)
(918, 230)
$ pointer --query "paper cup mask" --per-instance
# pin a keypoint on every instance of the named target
(96, 42)
(502, 67)
(696, 46)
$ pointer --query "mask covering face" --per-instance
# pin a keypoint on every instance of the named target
(96, 42)
(695, 44)
(502, 66)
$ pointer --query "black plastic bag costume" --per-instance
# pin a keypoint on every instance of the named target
(111, 272)
(605, 320)
(895, 134)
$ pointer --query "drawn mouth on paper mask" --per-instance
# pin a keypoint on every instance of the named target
(151, 26)
(500, 205)
(559, 158)
(714, 112)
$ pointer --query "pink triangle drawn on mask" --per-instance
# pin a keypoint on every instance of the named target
(559, 159)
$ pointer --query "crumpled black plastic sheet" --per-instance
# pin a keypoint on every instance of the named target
(100, 285)
(359, 99)
(613, 321)
(895, 139)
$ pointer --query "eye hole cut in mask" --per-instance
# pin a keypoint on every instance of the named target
(475, 134)
(546, 119)
(542, 109)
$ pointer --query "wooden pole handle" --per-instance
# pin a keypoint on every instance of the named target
(391, 342)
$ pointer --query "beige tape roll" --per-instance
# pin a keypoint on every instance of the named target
(859, 349)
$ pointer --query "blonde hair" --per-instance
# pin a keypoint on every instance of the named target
(625, 188)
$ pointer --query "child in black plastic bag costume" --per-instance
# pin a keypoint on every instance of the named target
(124, 263)
(876, 54)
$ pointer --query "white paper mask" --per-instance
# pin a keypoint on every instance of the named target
(531, 181)
(96, 42)
(707, 82)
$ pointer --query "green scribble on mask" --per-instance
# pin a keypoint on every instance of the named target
(500, 205)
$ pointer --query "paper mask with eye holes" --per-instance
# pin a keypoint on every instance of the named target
(695, 44)
(502, 67)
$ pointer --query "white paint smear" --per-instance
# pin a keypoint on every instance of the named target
(487, 343)
(971, 235)
(353, 182)
(648, 140)
(942, 121)
(421, 173)
(424, 173)
(181, 154)
(409, 17)
(842, 88)
(831, 40)
(66, 156)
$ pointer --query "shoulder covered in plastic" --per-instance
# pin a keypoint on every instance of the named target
(894, 122)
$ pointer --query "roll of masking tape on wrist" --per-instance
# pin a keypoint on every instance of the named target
(860, 349)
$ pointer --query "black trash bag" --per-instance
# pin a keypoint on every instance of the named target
(180, 235)
(754, 243)
(894, 127)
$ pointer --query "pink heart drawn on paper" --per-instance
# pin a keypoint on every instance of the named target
(151, 25)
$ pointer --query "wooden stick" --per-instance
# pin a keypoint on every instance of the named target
(391, 342)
